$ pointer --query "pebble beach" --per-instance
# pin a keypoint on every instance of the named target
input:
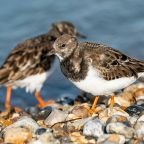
(68, 121)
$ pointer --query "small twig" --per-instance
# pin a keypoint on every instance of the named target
(66, 121)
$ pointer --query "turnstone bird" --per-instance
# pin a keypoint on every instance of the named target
(28, 65)
(96, 68)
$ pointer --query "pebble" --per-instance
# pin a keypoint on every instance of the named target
(140, 102)
(24, 122)
(139, 129)
(111, 139)
(93, 128)
(40, 131)
(108, 112)
(5, 122)
(118, 118)
(139, 93)
(120, 128)
(78, 124)
(65, 100)
(100, 108)
(141, 118)
(55, 116)
(43, 113)
(77, 138)
(134, 110)
(82, 98)
(81, 111)
(73, 124)
(122, 101)
(136, 118)
(46, 138)
(65, 140)
(133, 120)
(136, 141)
(32, 110)
(17, 135)
(39, 114)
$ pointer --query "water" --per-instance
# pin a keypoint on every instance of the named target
(117, 23)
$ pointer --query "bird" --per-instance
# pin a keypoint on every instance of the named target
(96, 68)
(28, 65)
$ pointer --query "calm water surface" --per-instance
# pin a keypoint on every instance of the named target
(117, 23)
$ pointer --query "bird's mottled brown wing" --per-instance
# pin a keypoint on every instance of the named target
(111, 63)
(38, 40)
(24, 62)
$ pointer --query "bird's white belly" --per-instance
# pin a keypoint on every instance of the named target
(32, 83)
(98, 86)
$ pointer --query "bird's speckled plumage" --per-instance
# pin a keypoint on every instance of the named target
(30, 57)
(111, 63)
(96, 68)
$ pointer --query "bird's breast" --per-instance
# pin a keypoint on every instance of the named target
(74, 71)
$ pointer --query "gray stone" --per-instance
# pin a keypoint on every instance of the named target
(120, 128)
(139, 129)
(133, 120)
(134, 110)
(93, 128)
(55, 116)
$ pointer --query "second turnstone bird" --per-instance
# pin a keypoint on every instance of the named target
(96, 68)
(28, 65)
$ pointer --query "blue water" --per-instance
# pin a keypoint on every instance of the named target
(117, 23)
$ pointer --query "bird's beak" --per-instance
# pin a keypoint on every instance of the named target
(80, 35)
(51, 52)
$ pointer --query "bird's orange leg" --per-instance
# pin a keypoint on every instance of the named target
(112, 101)
(93, 108)
(8, 96)
(42, 103)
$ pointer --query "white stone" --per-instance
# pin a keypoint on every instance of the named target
(141, 118)
(55, 116)
(93, 128)
(24, 122)
(139, 129)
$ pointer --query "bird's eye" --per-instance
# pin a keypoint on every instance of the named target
(63, 45)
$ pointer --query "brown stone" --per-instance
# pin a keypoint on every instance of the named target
(17, 135)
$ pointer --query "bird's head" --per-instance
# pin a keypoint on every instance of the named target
(64, 27)
(64, 46)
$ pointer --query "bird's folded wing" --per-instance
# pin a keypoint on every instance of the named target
(111, 63)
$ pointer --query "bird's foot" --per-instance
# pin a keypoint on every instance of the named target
(112, 102)
(7, 106)
(45, 104)
(92, 111)
(42, 103)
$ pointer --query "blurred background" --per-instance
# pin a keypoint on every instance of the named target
(117, 23)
